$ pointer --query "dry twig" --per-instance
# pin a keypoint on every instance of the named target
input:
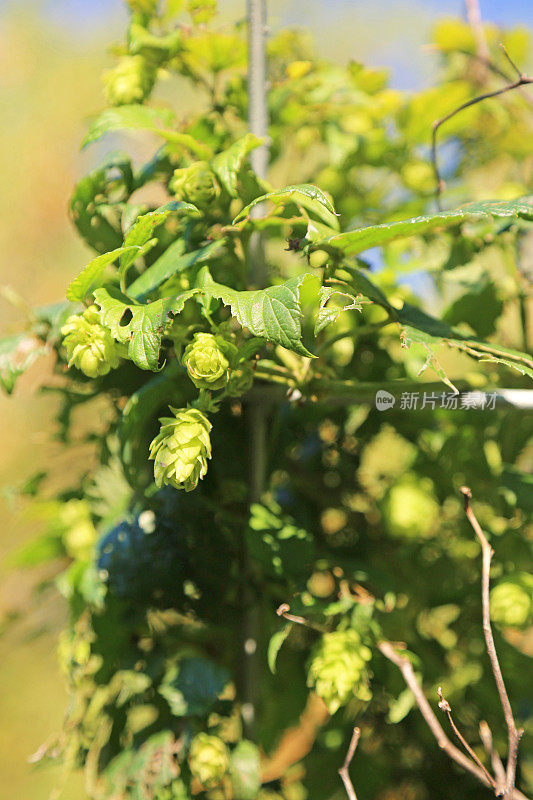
(485, 734)
(344, 771)
(521, 80)
(513, 734)
(445, 706)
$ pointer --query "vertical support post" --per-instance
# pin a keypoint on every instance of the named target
(256, 411)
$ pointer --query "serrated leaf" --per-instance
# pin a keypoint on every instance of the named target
(193, 686)
(417, 326)
(305, 195)
(353, 242)
(227, 164)
(17, 354)
(327, 315)
(141, 231)
(272, 314)
(132, 117)
(90, 275)
(141, 326)
(274, 646)
(245, 771)
(172, 262)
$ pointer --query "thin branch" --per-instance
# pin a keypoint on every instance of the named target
(406, 668)
(485, 734)
(522, 80)
(445, 706)
(513, 734)
(344, 771)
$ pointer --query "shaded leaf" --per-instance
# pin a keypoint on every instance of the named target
(227, 164)
(192, 686)
(173, 261)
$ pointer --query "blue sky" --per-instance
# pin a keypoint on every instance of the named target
(389, 33)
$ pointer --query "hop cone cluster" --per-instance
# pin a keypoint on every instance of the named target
(181, 449)
(195, 184)
(143, 6)
(207, 360)
(208, 759)
(511, 601)
(337, 671)
(89, 345)
(131, 81)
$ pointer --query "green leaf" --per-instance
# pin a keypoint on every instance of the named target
(353, 242)
(419, 327)
(173, 261)
(304, 195)
(227, 164)
(97, 202)
(193, 686)
(273, 314)
(17, 354)
(133, 117)
(245, 771)
(400, 706)
(140, 326)
(327, 315)
(274, 646)
(90, 275)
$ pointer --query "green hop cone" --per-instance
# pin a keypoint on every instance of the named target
(181, 449)
(131, 81)
(207, 360)
(208, 759)
(240, 380)
(410, 509)
(337, 671)
(195, 184)
(511, 601)
(89, 345)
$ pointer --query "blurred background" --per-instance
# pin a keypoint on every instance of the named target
(52, 53)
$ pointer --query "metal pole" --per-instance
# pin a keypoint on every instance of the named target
(257, 409)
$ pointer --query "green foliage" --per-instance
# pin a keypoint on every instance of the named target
(358, 526)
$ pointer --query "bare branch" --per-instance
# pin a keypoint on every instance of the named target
(445, 706)
(522, 80)
(406, 668)
(344, 771)
(497, 766)
(513, 734)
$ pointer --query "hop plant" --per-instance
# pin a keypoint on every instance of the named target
(410, 509)
(208, 759)
(89, 344)
(181, 449)
(207, 360)
(202, 10)
(511, 601)
(131, 81)
(147, 7)
(195, 184)
(240, 380)
(337, 671)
